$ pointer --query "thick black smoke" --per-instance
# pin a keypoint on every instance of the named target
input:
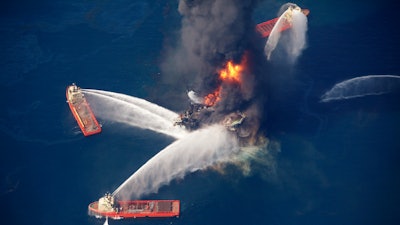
(213, 32)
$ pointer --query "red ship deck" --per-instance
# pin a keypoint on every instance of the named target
(265, 28)
(81, 110)
(138, 209)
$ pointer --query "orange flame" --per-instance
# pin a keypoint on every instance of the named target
(231, 72)
(212, 98)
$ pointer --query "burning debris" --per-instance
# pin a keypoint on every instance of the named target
(212, 108)
(216, 55)
(190, 119)
(215, 47)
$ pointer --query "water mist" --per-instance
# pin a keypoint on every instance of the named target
(196, 151)
(295, 38)
(134, 112)
(362, 86)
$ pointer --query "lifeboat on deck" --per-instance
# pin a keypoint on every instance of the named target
(81, 110)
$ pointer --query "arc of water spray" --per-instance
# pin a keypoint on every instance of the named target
(275, 35)
(294, 18)
(135, 112)
(154, 108)
(362, 86)
(198, 150)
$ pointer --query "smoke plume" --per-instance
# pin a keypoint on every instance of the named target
(212, 32)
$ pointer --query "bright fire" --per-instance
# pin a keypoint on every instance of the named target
(212, 98)
(231, 72)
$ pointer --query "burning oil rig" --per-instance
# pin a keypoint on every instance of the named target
(210, 108)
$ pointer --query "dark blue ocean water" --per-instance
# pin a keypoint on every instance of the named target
(338, 162)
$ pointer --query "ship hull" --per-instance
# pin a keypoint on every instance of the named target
(138, 209)
(81, 111)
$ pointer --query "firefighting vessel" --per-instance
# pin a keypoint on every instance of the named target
(108, 206)
(265, 28)
(81, 110)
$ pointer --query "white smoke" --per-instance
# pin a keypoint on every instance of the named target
(196, 151)
(295, 41)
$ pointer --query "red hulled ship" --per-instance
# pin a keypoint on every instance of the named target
(265, 28)
(108, 206)
(81, 110)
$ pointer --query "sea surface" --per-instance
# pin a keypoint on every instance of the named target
(338, 161)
